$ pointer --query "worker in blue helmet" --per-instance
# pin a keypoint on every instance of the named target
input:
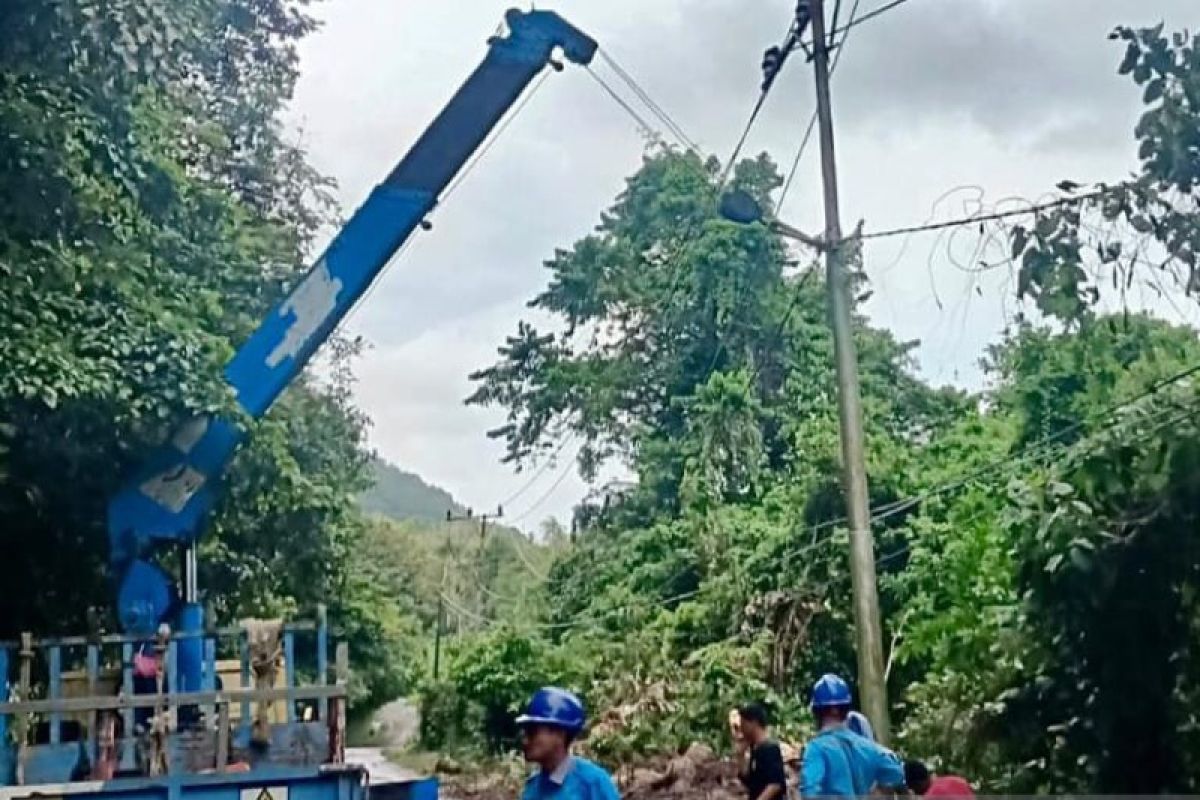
(837, 761)
(551, 722)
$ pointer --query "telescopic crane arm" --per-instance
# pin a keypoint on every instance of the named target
(168, 500)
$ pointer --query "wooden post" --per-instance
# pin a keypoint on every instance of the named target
(222, 735)
(93, 683)
(210, 670)
(244, 655)
(23, 722)
(4, 720)
(172, 672)
(337, 732)
(323, 657)
(55, 656)
(127, 716)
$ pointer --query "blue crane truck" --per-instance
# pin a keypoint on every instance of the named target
(172, 707)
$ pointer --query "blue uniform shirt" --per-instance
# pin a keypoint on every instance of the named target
(574, 779)
(838, 763)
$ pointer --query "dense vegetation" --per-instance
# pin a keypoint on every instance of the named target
(150, 213)
(1036, 543)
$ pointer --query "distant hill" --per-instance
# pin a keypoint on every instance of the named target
(401, 495)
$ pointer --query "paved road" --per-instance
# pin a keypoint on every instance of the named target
(378, 767)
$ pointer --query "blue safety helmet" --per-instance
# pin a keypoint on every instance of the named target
(857, 722)
(553, 706)
(830, 691)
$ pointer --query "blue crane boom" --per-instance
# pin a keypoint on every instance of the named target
(168, 499)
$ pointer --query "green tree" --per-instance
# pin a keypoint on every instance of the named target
(1106, 563)
(689, 350)
(1145, 228)
(150, 214)
(1055, 580)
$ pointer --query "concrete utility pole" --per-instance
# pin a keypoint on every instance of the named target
(872, 684)
(484, 519)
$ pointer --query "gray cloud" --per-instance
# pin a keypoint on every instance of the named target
(1009, 95)
(1013, 68)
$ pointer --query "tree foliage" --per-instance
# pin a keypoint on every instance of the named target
(151, 212)
(1038, 570)
(1145, 228)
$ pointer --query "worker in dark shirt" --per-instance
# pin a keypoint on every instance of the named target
(762, 769)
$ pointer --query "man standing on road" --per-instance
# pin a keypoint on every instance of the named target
(761, 769)
(552, 720)
(837, 762)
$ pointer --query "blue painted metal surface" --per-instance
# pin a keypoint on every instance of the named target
(168, 499)
(343, 783)
(210, 664)
(190, 652)
(426, 789)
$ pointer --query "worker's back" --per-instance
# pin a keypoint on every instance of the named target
(838, 763)
(576, 779)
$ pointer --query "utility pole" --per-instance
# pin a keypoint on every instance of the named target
(437, 637)
(872, 685)
(470, 515)
(484, 519)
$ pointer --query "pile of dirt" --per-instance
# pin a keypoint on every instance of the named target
(697, 773)
(501, 779)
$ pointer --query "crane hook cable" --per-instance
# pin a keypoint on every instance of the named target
(674, 127)
(647, 129)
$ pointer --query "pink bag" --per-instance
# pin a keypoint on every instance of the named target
(144, 666)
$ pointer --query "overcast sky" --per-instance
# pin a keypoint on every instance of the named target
(938, 104)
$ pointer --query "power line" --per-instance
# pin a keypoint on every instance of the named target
(771, 71)
(977, 219)
(812, 120)
(675, 128)
(891, 509)
(647, 603)
(1184, 414)
(520, 550)
(646, 127)
(737, 150)
(787, 184)
(546, 496)
(854, 23)
(870, 15)
(540, 472)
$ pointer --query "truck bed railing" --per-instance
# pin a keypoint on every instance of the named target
(235, 717)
